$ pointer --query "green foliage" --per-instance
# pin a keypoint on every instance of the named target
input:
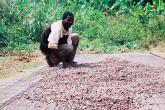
(109, 25)
(108, 34)
(21, 47)
(145, 13)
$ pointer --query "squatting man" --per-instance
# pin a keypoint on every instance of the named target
(58, 43)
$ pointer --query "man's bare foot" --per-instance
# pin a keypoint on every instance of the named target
(74, 64)
(70, 64)
(65, 64)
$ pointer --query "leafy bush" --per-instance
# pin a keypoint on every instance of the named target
(101, 32)
(109, 25)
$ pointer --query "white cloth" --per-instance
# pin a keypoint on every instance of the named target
(57, 32)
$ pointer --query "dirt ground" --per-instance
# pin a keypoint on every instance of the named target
(159, 50)
(13, 64)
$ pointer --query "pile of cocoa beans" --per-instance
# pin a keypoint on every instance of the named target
(110, 84)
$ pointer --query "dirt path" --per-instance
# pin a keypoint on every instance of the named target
(102, 81)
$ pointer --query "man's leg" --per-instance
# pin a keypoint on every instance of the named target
(49, 61)
(54, 60)
(65, 50)
(75, 41)
(47, 57)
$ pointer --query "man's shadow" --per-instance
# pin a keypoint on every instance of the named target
(82, 65)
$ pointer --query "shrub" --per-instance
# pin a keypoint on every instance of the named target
(110, 25)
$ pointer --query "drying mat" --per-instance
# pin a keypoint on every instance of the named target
(95, 91)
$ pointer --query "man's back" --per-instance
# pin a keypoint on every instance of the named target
(44, 40)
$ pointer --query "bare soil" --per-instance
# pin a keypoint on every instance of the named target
(158, 50)
(14, 64)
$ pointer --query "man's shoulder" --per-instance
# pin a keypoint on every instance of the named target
(56, 23)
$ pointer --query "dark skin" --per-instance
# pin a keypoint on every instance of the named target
(67, 23)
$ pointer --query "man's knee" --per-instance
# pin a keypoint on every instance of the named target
(66, 49)
(75, 39)
(75, 36)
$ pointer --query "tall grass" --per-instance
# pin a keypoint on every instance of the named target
(107, 25)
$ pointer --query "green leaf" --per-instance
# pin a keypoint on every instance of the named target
(161, 5)
(139, 11)
(148, 8)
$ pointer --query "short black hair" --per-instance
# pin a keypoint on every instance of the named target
(67, 13)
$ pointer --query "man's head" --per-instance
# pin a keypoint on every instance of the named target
(67, 20)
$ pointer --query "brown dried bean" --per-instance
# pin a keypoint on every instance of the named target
(110, 84)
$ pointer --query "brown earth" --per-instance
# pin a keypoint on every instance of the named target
(14, 64)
